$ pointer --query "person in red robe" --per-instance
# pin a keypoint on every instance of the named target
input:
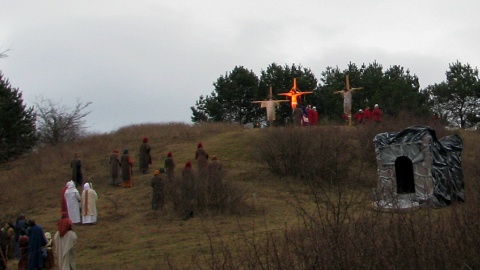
(359, 116)
(377, 114)
(314, 121)
(367, 115)
(63, 207)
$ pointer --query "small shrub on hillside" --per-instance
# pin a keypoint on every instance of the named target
(309, 153)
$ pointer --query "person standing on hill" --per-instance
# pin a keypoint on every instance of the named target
(367, 115)
(23, 247)
(187, 187)
(36, 241)
(145, 158)
(21, 226)
(127, 172)
(201, 156)
(114, 163)
(297, 116)
(72, 196)
(214, 179)
(64, 241)
(377, 114)
(358, 116)
(76, 166)
(170, 166)
(89, 204)
(158, 189)
(49, 260)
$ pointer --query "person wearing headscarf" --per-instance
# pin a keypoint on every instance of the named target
(214, 179)
(188, 182)
(114, 164)
(23, 244)
(36, 242)
(377, 114)
(187, 187)
(20, 229)
(72, 196)
(63, 203)
(76, 166)
(145, 157)
(64, 242)
(170, 166)
(8, 232)
(49, 261)
(89, 204)
(201, 156)
(367, 115)
(358, 116)
(158, 189)
(126, 163)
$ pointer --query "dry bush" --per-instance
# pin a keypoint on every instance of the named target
(318, 155)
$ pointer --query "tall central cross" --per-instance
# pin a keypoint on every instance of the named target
(294, 93)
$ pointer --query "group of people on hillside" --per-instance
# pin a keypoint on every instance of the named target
(305, 116)
(80, 208)
(33, 248)
(194, 189)
(121, 167)
(367, 115)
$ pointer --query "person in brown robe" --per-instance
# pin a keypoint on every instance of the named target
(297, 116)
(214, 180)
(126, 163)
(158, 191)
(145, 158)
(187, 188)
(76, 166)
(114, 164)
(201, 156)
(170, 166)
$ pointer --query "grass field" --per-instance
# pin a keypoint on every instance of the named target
(276, 210)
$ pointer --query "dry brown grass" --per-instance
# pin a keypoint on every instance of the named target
(281, 223)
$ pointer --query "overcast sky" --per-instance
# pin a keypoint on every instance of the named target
(148, 61)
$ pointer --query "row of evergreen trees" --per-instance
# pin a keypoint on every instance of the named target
(456, 100)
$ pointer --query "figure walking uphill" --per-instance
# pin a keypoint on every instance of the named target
(145, 158)
(170, 166)
(114, 166)
(215, 187)
(76, 166)
(127, 172)
(201, 156)
(187, 187)
(158, 189)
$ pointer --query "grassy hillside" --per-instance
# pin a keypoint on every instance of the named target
(129, 235)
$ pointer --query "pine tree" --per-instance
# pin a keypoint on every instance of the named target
(17, 123)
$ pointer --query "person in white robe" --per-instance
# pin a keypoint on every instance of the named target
(64, 242)
(89, 204)
(72, 196)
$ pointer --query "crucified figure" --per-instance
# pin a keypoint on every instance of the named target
(270, 106)
(347, 99)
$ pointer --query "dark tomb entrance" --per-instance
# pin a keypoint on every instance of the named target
(404, 175)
